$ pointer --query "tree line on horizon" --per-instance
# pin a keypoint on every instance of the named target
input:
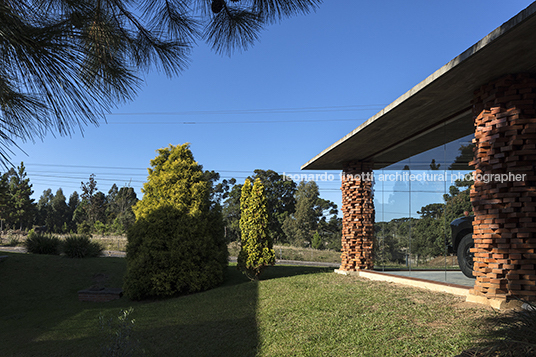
(297, 214)
(91, 211)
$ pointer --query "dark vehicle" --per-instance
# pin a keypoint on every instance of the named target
(462, 242)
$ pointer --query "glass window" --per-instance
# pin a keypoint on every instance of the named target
(415, 201)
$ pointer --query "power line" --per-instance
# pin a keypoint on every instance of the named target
(27, 165)
(86, 167)
(232, 122)
(68, 179)
(362, 107)
(78, 178)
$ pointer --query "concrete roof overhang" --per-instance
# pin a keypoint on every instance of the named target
(437, 110)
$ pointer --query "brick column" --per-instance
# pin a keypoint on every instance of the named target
(505, 212)
(358, 217)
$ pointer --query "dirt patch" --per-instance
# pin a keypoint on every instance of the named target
(451, 260)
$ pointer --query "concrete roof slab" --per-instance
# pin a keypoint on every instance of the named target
(438, 109)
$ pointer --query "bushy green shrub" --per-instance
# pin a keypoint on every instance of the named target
(171, 253)
(39, 243)
(81, 246)
(177, 244)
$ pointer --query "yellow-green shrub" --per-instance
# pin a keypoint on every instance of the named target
(256, 245)
(177, 244)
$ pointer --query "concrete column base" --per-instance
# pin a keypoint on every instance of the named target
(499, 304)
(454, 289)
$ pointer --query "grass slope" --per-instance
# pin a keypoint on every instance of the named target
(293, 311)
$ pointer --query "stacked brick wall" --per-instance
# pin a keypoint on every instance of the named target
(358, 217)
(505, 212)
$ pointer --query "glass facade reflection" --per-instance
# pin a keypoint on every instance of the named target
(415, 200)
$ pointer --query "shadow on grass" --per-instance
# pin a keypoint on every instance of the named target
(511, 334)
(218, 322)
(40, 313)
(284, 271)
(234, 276)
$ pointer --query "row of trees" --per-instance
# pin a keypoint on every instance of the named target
(296, 212)
(297, 215)
(89, 211)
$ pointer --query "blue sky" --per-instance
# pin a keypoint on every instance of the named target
(309, 81)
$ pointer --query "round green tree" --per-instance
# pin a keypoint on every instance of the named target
(177, 243)
(256, 245)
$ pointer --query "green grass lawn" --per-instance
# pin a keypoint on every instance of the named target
(292, 311)
(286, 252)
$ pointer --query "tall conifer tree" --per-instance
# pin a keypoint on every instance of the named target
(21, 192)
(256, 245)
